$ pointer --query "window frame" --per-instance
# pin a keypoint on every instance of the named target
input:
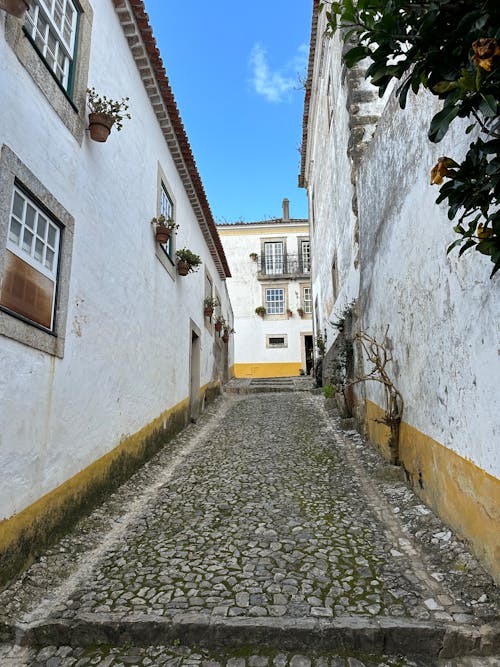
(167, 260)
(41, 5)
(270, 346)
(27, 258)
(71, 108)
(303, 300)
(14, 173)
(276, 316)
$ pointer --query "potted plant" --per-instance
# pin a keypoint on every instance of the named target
(17, 8)
(104, 113)
(227, 331)
(208, 306)
(187, 261)
(289, 312)
(253, 256)
(300, 312)
(219, 323)
(163, 228)
(261, 311)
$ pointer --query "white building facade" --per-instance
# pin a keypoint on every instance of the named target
(378, 243)
(105, 351)
(270, 291)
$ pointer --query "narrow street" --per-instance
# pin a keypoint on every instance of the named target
(262, 535)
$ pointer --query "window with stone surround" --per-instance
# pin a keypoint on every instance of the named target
(36, 241)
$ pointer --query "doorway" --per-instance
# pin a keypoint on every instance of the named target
(194, 375)
(309, 354)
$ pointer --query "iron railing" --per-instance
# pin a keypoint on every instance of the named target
(279, 267)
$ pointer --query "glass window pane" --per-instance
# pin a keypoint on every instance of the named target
(39, 250)
(18, 205)
(49, 259)
(30, 217)
(41, 227)
(15, 231)
(51, 240)
(27, 241)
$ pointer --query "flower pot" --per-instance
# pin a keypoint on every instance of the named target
(208, 312)
(225, 337)
(17, 8)
(162, 233)
(218, 326)
(182, 267)
(289, 313)
(100, 125)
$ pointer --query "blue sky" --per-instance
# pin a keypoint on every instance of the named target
(234, 68)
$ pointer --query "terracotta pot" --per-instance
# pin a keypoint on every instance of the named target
(100, 125)
(289, 313)
(182, 267)
(17, 8)
(208, 311)
(225, 337)
(218, 326)
(163, 233)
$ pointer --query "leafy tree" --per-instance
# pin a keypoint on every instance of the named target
(452, 49)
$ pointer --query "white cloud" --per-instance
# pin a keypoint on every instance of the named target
(273, 85)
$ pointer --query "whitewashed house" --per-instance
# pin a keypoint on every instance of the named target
(378, 243)
(270, 291)
(105, 351)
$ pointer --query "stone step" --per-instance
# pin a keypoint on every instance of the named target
(176, 655)
(403, 636)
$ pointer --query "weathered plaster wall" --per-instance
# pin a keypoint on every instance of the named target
(443, 311)
(252, 357)
(126, 357)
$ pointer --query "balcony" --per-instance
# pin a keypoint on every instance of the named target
(287, 267)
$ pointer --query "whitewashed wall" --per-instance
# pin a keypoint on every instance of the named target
(444, 312)
(127, 346)
(246, 294)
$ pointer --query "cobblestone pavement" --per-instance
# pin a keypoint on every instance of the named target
(264, 523)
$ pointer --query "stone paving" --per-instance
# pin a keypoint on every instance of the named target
(266, 525)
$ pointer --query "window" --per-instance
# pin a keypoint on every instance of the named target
(56, 33)
(52, 27)
(167, 209)
(277, 341)
(305, 255)
(30, 276)
(36, 242)
(307, 300)
(275, 301)
(335, 278)
(273, 257)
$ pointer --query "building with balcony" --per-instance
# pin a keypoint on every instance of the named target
(270, 291)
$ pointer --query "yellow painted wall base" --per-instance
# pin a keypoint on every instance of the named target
(463, 495)
(26, 534)
(267, 370)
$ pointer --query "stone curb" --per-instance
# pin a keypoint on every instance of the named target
(383, 635)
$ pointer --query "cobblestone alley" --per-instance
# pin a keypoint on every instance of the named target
(263, 535)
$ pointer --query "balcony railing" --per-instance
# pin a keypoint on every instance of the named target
(279, 267)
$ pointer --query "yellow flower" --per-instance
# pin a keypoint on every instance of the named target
(485, 50)
(441, 169)
(484, 232)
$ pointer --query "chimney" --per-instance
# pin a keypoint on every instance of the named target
(286, 210)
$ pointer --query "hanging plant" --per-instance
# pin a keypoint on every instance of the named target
(164, 228)
(104, 114)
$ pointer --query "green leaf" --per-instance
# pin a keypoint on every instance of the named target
(441, 122)
(466, 246)
(444, 86)
(354, 55)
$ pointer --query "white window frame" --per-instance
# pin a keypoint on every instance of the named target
(46, 11)
(305, 255)
(38, 238)
(307, 300)
(274, 257)
(273, 291)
